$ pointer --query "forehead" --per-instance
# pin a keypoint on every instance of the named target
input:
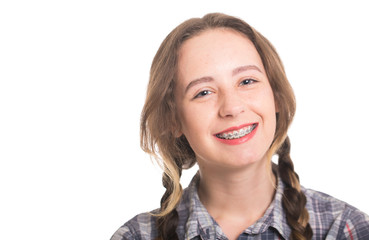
(216, 50)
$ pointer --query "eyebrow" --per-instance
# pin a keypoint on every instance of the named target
(234, 72)
(198, 81)
(245, 68)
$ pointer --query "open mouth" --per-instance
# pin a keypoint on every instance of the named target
(237, 133)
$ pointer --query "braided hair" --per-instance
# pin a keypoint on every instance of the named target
(293, 200)
(160, 123)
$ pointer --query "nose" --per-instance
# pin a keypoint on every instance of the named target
(231, 105)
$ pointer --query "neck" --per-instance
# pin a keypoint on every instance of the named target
(242, 193)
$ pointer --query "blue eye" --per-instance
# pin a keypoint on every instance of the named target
(247, 82)
(203, 93)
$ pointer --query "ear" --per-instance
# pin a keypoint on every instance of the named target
(276, 106)
(177, 133)
(176, 130)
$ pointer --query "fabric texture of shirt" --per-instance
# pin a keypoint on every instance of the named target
(329, 219)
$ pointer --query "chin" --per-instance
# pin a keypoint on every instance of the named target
(245, 160)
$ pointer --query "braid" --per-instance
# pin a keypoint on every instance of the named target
(294, 200)
(167, 224)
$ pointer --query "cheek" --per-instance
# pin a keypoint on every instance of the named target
(193, 119)
(264, 106)
(263, 103)
(270, 112)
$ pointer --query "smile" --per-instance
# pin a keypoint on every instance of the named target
(236, 134)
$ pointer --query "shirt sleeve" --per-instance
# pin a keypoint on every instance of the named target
(356, 226)
(123, 233)
(141, 227)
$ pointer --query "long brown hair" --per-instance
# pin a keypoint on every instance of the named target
(159, 122)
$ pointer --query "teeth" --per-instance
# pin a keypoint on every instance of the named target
(237, 134)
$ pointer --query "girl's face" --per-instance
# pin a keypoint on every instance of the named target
(224, 99)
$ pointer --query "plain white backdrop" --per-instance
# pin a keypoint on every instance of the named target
(73, 76)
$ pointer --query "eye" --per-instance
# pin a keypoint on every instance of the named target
(203, 93)
(247, 81)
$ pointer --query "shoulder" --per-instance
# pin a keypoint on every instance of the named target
(318, 202)
(142, 226)
(330, 217)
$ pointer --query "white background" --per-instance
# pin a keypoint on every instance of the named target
(73, 77)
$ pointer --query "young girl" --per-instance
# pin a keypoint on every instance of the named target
(218, 96)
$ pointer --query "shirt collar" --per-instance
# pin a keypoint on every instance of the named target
(200, 223)
(279, 220)
(274, 216)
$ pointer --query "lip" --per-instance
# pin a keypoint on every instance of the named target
(238, 140)
(236, 128)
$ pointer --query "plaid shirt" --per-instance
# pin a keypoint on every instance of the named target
(329, 219)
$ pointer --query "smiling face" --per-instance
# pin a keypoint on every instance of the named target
(224, 99)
